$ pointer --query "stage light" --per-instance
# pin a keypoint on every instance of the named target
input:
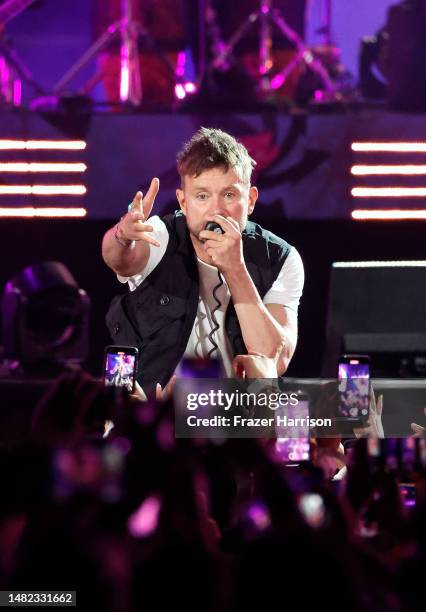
(277, 81)
(124, 83)
(30, 211)
(190, 87)
(42, 190)
(388, 192)
(388, 215)
(34, 167)
(180, 65)
(417, 263)
(45, 318)
(408, 170)
(180, 92)
(39, 145)
(382, 147)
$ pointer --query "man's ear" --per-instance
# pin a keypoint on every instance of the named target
(253, 195)
(181, 199)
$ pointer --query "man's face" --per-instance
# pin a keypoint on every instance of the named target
(215, 191)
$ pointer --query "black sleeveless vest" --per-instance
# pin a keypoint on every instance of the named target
(159, 315)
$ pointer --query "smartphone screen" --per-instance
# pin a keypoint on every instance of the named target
(354, 387)
(120, 367)
(408, 494)
(292, 445)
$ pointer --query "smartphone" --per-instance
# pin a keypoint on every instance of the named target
(408, 494)
(292, 445)
(120, 367)
(354, 387)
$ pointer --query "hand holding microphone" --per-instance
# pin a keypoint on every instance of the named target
(223, 243)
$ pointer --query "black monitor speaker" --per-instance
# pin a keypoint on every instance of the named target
(378, 308)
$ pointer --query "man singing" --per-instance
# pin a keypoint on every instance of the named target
(219, 292)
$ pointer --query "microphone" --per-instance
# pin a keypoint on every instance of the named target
(212, 226)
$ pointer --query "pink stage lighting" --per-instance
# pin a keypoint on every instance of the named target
(42, 212)
(34, 145)
(388, 215)
(277, 81)
(393, 147)
(42, 190)
(34, 167)
(182, 89)
(407, 170)
(388, 192)
(180, 92)
(190, 87)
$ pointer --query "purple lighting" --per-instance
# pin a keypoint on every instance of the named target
(144, 521)
(277, 81)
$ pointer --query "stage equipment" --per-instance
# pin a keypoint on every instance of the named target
(377, 308)
(407, 56)
(374, 65)
(130, 32)
(12, 70)
(45, 319)
(268, 18)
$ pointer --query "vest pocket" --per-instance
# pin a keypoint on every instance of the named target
(154, 310)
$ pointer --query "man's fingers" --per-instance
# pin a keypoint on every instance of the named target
(147, 238)
(137, 203)
(149, 199)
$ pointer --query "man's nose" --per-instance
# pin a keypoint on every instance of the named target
(217, 207)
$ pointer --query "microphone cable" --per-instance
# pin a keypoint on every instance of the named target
(215, 227)
(216, 325)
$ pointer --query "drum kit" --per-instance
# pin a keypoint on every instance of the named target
(215, 54)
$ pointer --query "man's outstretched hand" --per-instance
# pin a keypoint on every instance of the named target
(133, 225)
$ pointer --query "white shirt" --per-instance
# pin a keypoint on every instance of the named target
(286, 290)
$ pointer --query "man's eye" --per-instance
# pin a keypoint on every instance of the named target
(229, 195)
(201, 196)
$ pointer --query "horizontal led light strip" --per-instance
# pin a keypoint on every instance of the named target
(397, 147)
(388, 215)
(388, 192)
(408, 170)
(42, 167)
(38, 145)
(380, 264)
(42, 189)
(42, 212)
